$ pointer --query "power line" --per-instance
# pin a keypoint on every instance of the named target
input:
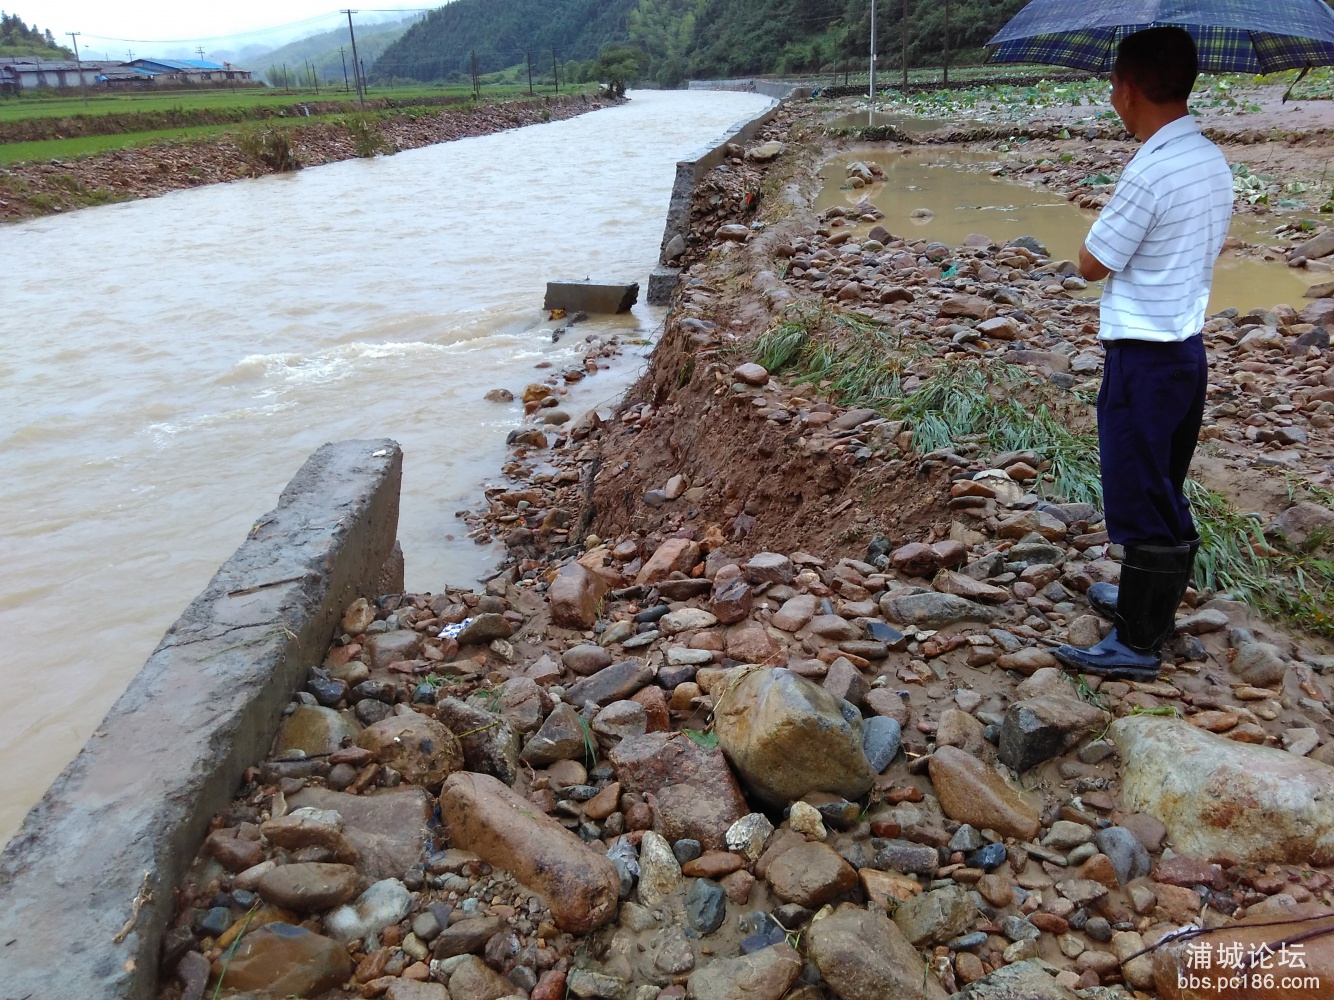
(258, 31)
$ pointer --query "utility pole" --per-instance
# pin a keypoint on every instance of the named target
(871, 94)
(346, 86)
(74, 35)
(905, 46)
(476, 81)
(355, 61)
(946, 79)
(200, 50)
(554, 74)
(287, 81)
(129, 55)
(530, 72)
(364, 85)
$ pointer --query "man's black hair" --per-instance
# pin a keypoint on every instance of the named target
(1161, 62)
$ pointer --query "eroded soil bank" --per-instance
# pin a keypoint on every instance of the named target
(28, 190)
(763, 702)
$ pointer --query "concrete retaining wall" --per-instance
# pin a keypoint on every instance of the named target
(86, 884)
(776, 89)
(662, 282)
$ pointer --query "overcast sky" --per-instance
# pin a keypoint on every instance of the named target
(228, 24)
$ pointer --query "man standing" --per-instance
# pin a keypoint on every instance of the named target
(1155, 243)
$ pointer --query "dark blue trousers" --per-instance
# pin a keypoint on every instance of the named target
(1149, 411)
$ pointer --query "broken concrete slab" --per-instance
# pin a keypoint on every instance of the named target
(585, 296)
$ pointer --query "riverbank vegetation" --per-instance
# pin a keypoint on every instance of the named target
(990, 407)
(40, 129)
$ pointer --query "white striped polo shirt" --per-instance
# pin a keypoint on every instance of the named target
(1160, 235)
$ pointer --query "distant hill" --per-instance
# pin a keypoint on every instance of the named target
(502, 32)
(17, 39)
(321, 51)
(687, 38)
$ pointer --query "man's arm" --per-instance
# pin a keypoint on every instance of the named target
(1090, 267)
(1119, 230)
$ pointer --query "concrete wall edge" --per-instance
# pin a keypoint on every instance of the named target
(86, 883)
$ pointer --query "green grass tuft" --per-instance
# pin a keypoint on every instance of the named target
(1284, 584)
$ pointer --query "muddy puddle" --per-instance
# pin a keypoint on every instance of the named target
(946, 195)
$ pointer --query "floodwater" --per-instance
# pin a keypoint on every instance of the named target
(961, 201)
(168, 365)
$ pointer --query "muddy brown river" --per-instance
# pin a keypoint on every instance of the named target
(168, 364)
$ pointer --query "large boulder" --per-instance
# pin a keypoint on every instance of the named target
(388, 829)
(1041, 728)
(1318, 313)
(972, 792)
(420, 749)
(561, 737)
(614, 683)
(490, 744)
(762, 975)
(1219, 796)
(308, 887)
(313, 729)
(1017, 981)
(282, 960)
(473, 979)
(488, 818)
(574, 595)
(696, 795)
(1300, 521)
(676, 555)
(788, 737)
(810, 875)
(1182, 970)
(936, 916)
(932, 610)
(862, 955)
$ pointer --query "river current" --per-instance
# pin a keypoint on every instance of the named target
(168, 364)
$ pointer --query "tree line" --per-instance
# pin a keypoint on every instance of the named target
(17, 39)
(675, 40)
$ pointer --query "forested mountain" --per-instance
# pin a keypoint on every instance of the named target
(792, 36)
(17, 39)
(684, 38)
(502, 33)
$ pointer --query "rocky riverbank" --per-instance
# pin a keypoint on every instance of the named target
(762, 703)
(28, 190)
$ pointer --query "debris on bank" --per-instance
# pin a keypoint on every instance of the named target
(763, 703)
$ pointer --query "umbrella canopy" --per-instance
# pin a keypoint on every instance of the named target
(1232, 36)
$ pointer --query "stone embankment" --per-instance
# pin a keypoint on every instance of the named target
(763, 704)
(34, 189)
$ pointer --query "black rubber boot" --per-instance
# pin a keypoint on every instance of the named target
(1102, 596)
(1153, 578)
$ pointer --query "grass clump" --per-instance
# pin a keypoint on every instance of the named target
(268, 147)
(367, 138)
(1281, 582)
(856, 360)
(1003, 407)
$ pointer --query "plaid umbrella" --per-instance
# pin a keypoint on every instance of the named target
(1232, 36)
